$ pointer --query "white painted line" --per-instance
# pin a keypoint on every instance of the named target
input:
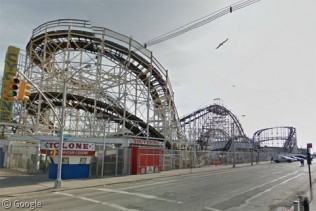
(65, 194)
(259, 194)
(87, 199)
(259, 186)
(213, 209)
(275, 180)
(96, 201)
(151, 184)
(138, 194)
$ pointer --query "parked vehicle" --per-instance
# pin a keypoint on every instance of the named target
(296, 158)
(283, 159)
(301, 156)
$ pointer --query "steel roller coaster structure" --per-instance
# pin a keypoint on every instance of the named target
(276, 137)
(102, 75)
(213, 124)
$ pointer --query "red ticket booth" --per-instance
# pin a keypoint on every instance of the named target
(146, 159)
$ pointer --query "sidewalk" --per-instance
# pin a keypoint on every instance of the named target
(312, 204)
(312, 201)
(14, 183)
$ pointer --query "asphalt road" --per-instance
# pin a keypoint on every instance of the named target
(258, 187)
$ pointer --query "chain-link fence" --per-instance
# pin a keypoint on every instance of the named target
(118, 162)
(179, 159)
(26, 157)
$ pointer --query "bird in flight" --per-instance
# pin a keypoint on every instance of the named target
(221, 43)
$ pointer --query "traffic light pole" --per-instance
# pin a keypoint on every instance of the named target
(58, 182)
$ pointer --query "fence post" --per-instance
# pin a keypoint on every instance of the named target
(116, 161)
(97, 164)
(38, 157)
(163, 159)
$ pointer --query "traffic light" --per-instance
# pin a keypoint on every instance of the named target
(53, 152)
(10, 88)
(309, 158)
(24, 91)
(309, 152)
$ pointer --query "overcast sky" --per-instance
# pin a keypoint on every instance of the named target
(265, 71)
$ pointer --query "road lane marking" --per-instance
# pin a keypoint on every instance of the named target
(213, 209)
(96, 201)
(87, 199)
(145, 185)
(269, 189)
(259, 186)
(275, 180)
(146, 196)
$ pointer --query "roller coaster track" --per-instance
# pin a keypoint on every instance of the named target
(271, 136)
(106, 73)
(215, 123)
(113, 51)
(87, 104)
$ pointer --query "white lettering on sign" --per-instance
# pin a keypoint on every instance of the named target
(145, 142)
(68, 145)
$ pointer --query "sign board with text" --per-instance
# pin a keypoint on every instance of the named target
(145, 142)
(69, 148)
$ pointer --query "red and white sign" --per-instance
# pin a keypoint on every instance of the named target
(309, 145)
(69, 148)
(145, 142)
(80, 146)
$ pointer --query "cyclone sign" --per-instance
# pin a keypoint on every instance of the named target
(69, 148)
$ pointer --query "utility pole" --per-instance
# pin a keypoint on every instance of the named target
(58, 182)
(253, 149)
(233, 143)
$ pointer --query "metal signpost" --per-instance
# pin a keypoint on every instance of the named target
(309, 162)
